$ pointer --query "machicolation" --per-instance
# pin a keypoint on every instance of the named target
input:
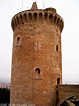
(49, 15)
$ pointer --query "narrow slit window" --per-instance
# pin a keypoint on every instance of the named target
(58, 80)
(57, 48)
(18, 41)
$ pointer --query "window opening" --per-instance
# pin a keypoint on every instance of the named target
(37, 73)
(18, 41)
(57, 48)
(58, 80)
(37, 70)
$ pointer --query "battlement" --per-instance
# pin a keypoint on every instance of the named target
(48, 15)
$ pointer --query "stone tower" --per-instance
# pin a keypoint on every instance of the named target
(36, 59)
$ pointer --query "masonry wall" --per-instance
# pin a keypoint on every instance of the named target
(66, 91)
(36, 59)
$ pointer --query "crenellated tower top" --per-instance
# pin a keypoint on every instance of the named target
(35, 14)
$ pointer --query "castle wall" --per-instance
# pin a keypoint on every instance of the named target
(64, 92)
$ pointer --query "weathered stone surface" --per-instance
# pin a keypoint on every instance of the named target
(67, 92)
(36, 59)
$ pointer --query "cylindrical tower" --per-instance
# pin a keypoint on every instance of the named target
(36, 59)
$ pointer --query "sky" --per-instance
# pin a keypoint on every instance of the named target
(68, 10)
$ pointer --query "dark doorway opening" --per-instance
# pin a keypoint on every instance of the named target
(58, 80)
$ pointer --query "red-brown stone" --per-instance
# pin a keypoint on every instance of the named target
(36, 59)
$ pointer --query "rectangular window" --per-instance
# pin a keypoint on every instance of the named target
(57, 48)
(58, 80)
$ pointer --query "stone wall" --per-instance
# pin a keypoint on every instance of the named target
(66, 91)
(36, 59)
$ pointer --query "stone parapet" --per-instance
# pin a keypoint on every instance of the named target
(32, 16)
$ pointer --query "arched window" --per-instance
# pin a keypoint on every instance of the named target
(18, 41)
(37, 73)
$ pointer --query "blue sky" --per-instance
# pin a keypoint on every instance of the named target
(69, 11)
